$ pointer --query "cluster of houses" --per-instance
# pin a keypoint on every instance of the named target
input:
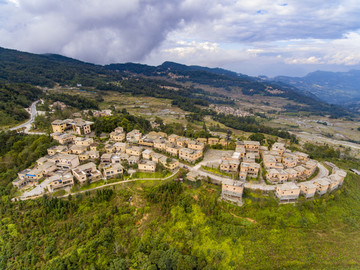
(282, 165)
(232, 190)
(290, 191)
(243, 160)
(78, 157)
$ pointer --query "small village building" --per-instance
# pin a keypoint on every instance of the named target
(190, 155)
(120, 147)
(93, 146)
(146, 154)
(172, 149)
(307, 189)
(252, 169)
(322, 185)
(292, 174)
(133, 159)
(145, 165)
(230, 165)
(249, 157)
(118, 136)
(83, 141)
(269, 161)
(287, 191)
(57, 149)
(213, 141)
(169, 163)
(106, 158)
(87, 172)
(156, 157)
(279, 148)
(77, 125)
(335, 181)
(173, 137)
(134, 150)
(202, 140)
(302, 156)
(195, 145)
(300, 171)
(63, 138)
(160, 144)
(112, 170)
(134, 136)
(65, 161)
(60, 181)
(47, 168)
(86, 155)
(182, 141)
(77, 149)
(232, 190)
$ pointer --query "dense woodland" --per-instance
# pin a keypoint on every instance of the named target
(13, 98)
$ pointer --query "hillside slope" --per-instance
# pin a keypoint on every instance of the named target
(332, 87)
(49, 69)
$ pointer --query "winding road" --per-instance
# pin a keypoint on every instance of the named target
(27, 125)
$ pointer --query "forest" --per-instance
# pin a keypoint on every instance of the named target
(13, 98)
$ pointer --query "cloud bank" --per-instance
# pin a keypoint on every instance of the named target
(249, 36)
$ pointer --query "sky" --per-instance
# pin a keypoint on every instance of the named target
(254, 37)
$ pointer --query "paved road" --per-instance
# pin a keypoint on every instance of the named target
(27, 125)
(38, 191)
(323, 172)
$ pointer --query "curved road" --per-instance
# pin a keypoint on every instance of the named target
(27, 125)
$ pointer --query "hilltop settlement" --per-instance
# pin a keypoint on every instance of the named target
(80, 157)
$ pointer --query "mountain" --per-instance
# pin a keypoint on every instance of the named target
(332, 87)
(47, 69)
(50, 69)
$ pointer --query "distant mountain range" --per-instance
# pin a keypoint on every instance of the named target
(50, 69)
(341, 88)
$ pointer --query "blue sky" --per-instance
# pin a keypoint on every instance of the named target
(248, 36)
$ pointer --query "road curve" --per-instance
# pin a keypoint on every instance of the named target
(27, 125)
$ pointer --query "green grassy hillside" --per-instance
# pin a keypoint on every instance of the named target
(157, 225)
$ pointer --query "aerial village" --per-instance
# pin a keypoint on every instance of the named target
(77, 158)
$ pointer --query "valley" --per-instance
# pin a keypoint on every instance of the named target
(130, 166)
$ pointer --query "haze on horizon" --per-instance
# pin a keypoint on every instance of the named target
(252, 37)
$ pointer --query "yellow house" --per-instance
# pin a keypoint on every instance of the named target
(213, 141)
(160, 144)
(195, 145)
(59, 126)
(190, 155)
(308, 189)
(172, 149)
(202, 140)
(117, 136)
(147, 166)
(60, 181)
(134, 151)
(232, 190)
(252, 169)
(87, 172)
(112, 170)
(171, 164)
(322, 185)
(288, 191)
(229, 165)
